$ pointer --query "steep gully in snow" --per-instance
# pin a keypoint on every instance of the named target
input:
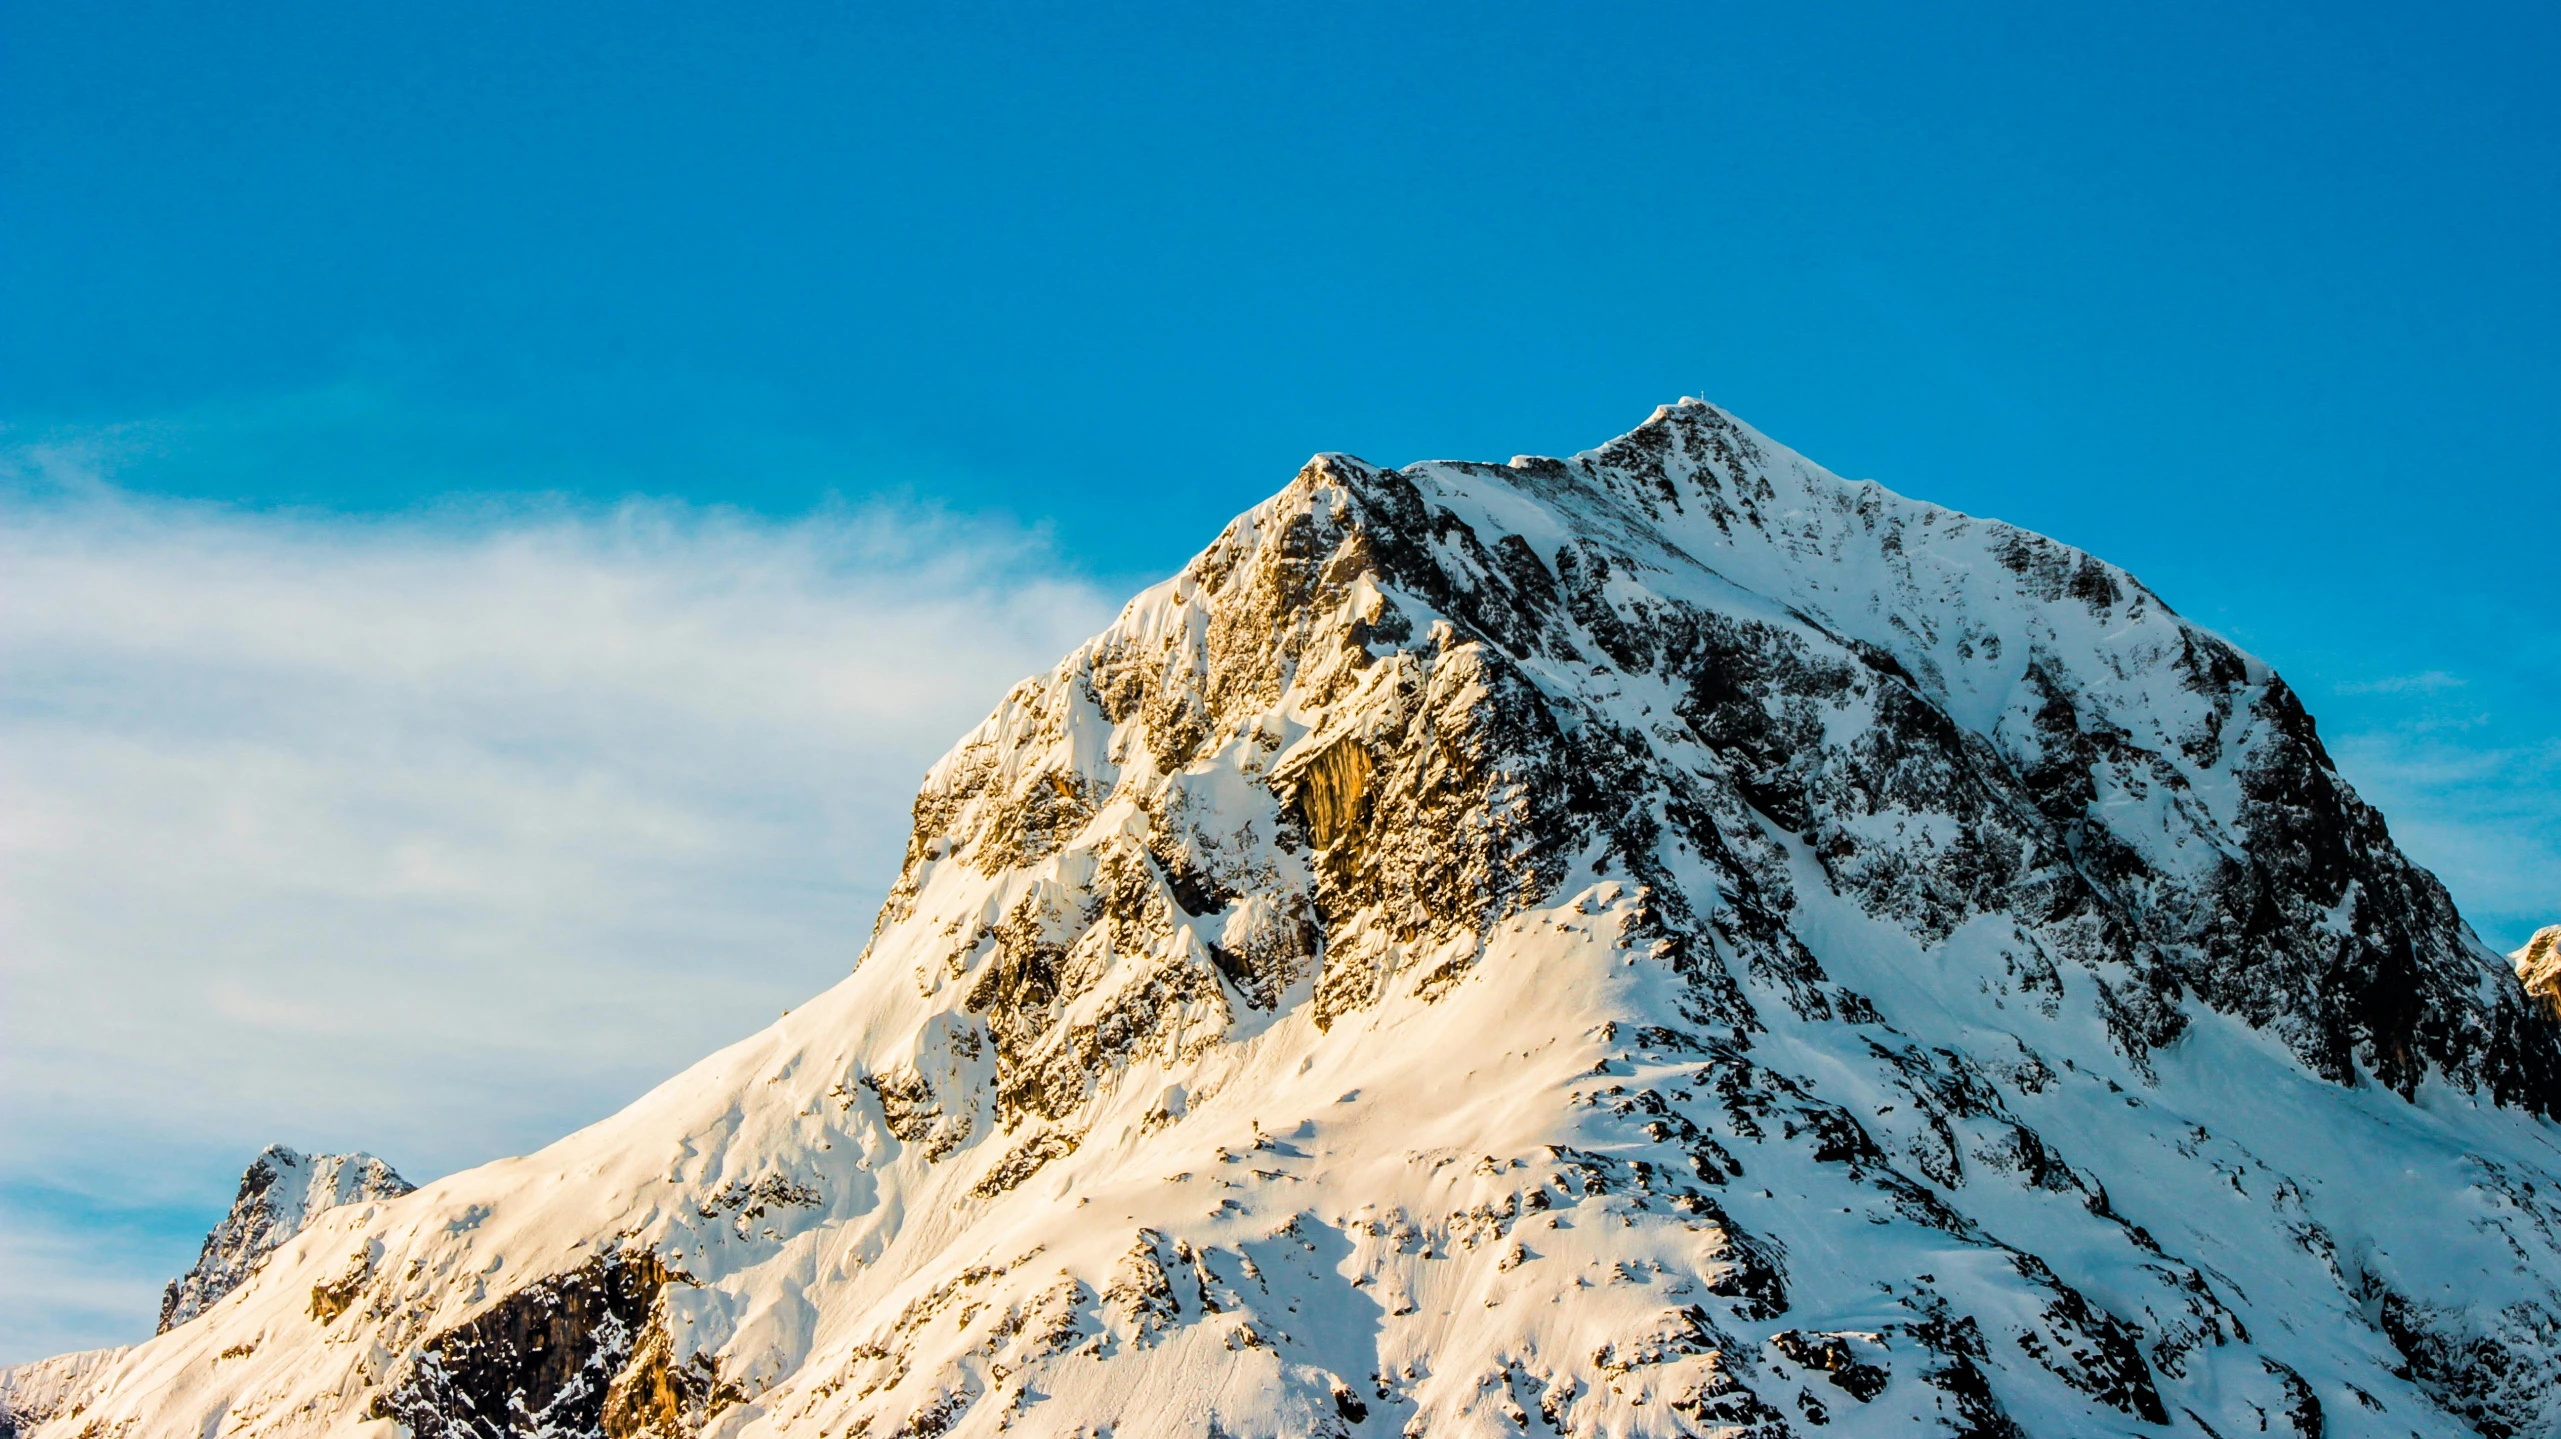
(1667, 941)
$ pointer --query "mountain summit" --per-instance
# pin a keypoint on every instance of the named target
(279, 1193)
(1667, 941)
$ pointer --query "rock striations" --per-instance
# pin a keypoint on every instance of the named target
(1661, 942)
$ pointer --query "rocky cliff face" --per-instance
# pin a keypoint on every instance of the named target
(1661, 942)
(280, 1192)
(2539, 967)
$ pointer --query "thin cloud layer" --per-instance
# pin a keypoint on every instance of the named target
(435, 836)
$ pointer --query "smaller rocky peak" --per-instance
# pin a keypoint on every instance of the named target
(2539, 968)
(280, 1192)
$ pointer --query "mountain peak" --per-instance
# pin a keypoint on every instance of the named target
(1658, 941)
(280, 1192)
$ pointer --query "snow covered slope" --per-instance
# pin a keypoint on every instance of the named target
(279, 1193)
(1662, 942)
(30, 1394)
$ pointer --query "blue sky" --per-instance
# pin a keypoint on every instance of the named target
(320, 314)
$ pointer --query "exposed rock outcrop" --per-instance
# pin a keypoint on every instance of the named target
(2539, 968)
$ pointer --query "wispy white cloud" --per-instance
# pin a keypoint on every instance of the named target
(434, 835)
(2424, 682)
(2486, 820)
(2466, 767)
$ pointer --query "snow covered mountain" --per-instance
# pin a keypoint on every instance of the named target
(280, 1192)
(1663, 942)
